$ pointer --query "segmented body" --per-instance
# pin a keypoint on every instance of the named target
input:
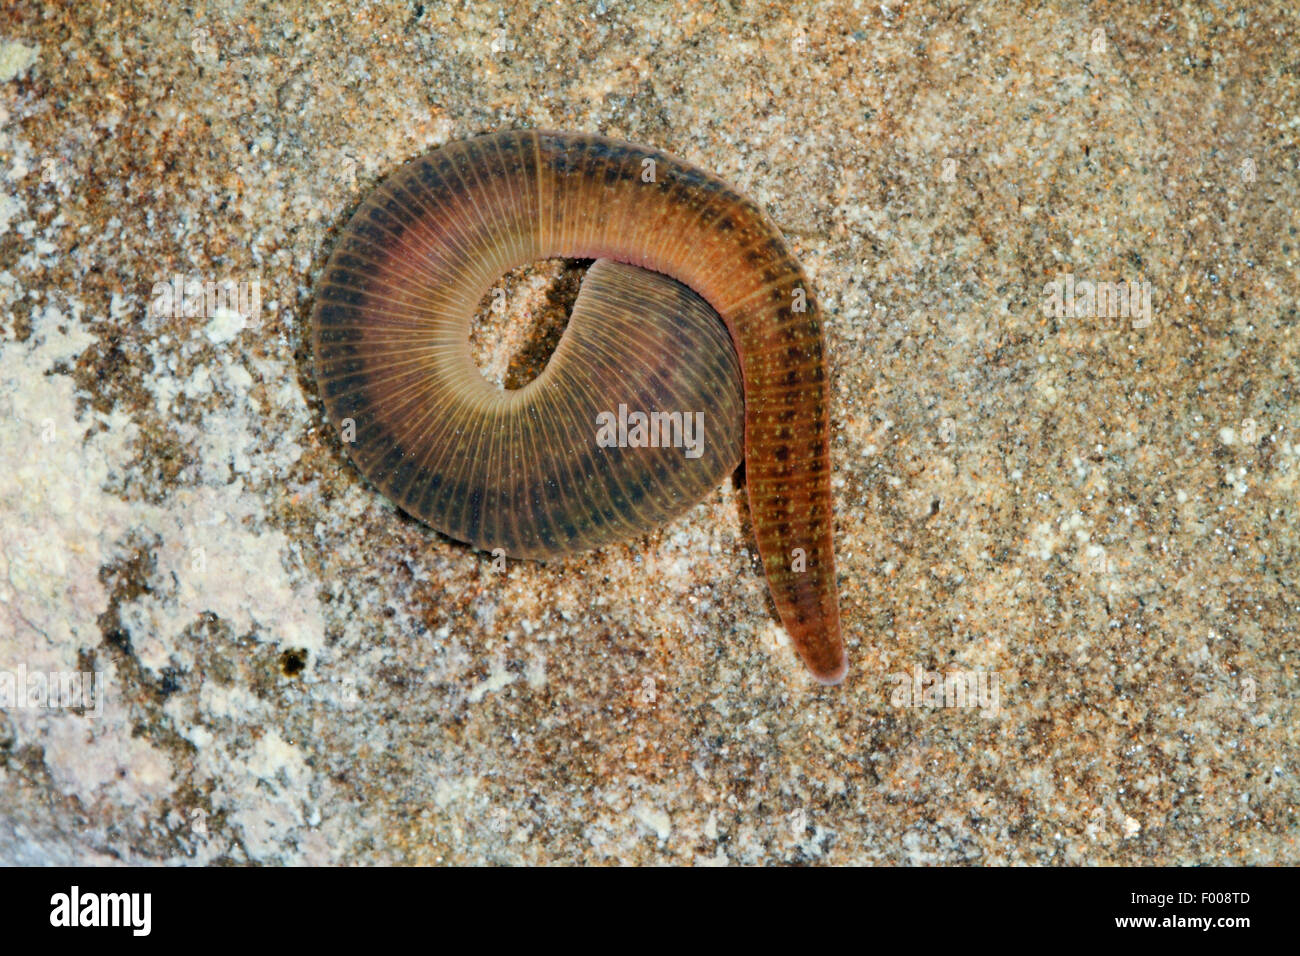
(522, 470)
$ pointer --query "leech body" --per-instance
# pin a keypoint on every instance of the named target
(522, 470)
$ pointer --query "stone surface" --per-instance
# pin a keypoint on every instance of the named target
(1095, 518)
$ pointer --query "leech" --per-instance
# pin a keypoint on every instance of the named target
(532, 471)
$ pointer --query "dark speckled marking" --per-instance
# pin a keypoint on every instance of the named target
(520, 470)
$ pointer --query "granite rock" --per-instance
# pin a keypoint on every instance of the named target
(1087, 520)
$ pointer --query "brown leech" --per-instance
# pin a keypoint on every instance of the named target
(522, 470)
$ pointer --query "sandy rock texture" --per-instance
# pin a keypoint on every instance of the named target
(1087, 520)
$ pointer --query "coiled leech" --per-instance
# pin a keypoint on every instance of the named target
(522, 470)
